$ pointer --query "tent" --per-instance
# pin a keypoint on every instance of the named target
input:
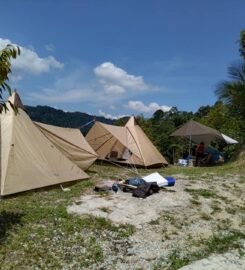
(29, 160)
(197, 133)
(127, 145)
(71, 143)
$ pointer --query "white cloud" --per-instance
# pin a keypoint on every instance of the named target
(116, 80)
(139, 106)
(71, 88)
(55, 96)
(29, 61)
(109, 116)
(113, 89)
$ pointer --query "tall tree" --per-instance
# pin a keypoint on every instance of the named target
(242, 43)
(233, 92)
(6, 54)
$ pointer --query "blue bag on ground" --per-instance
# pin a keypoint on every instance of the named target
(171, 181)
(135, 181)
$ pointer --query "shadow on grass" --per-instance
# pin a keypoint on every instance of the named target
(7, 221)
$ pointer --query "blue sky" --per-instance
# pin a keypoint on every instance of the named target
(125, 57)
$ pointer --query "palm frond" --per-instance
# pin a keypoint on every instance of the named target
(237, 71)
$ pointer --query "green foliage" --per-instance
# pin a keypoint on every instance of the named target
(6, 54)
(242, 43)
(203, 111)
(233, 92)
(52, 116)
(121, 121)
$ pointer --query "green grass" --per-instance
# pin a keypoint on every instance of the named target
(154, 222)
(37, 231)
(105, 209)
(218, 243)
(202, 192)
(235, 167)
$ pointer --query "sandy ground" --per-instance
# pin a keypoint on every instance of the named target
(122, 207)
(175, 219)
(226, 261)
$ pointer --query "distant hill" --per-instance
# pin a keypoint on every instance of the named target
(52, 116)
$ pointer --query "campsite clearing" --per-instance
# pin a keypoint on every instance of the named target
(202, 215)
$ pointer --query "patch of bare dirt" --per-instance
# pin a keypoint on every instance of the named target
(177, 218)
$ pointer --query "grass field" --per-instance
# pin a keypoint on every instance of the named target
(36, 232)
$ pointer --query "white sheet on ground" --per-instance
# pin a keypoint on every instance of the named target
(156, 177)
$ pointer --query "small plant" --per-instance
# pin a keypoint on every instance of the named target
(205, 216)
(105, 209)
(195, 201)
(202, 192)
(230, 210)
(154, 222)
(215, 205)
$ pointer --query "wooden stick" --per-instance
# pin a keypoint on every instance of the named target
(126, 185)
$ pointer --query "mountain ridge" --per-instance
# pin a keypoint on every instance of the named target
(51, 116)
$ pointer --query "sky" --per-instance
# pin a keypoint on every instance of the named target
(116, 58)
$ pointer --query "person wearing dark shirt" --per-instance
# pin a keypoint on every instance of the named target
(200, 153)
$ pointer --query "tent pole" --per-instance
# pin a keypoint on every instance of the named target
(190, 145)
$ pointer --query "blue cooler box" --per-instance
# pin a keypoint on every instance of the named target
(171, 181)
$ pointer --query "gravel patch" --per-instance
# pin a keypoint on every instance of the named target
(227, 261)
(173, 219)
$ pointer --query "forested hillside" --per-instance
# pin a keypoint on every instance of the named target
(52, 116)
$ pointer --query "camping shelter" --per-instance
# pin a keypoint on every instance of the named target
(29, 159)
(71, 143)
(127, 145)
(197, 133)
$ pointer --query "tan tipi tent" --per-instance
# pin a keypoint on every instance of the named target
(71, 143)
(128, 144)
(29, 159)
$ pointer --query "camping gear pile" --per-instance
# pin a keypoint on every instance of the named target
(139, 187)
(146, 186)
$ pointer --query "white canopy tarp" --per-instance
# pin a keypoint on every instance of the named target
(228, 139)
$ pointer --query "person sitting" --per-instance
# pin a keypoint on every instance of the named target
(214, 156)
(200, 153)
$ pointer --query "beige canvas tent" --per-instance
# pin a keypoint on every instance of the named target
(71, 143)
(128, 144)
(197, 133)
(29, 159)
